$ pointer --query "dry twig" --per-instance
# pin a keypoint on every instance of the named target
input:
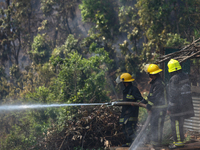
(190, 51)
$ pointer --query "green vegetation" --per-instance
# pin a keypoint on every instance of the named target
(55, 56)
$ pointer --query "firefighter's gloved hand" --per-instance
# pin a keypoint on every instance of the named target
(168, 112)
(143, 101)
(149, 107)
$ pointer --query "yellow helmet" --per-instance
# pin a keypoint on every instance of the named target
(173, 65)
(153, 69)
(126, 77)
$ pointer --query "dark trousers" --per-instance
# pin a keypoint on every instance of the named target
(177, 128)
(129, 129)
(156, 125)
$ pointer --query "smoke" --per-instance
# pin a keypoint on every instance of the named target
(145, 135)
(142, 134)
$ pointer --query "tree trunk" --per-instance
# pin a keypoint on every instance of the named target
(8, 30)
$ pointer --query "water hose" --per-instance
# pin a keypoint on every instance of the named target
(126, 103)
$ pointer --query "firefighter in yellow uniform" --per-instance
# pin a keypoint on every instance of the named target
(180, 104)
(129, 114)
(157, 104)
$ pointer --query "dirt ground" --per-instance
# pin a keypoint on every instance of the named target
(192, 145)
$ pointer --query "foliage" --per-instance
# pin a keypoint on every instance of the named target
(4, 89)
(174, 40)
(17, 23)
(71, 45)
(102, 14)
(78, 80)
(81, 80)
(129, 23)
(17, 139)
(57, 15)
(40, 50)
(161, 20)
(64, 67)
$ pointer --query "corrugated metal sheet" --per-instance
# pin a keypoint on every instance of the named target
(193, 123)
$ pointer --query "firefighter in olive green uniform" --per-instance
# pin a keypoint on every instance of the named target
(129, 114)
(157, 104)
(180, 104)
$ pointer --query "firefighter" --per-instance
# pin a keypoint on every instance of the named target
(180, 104)
(129, 114)
(157, 104)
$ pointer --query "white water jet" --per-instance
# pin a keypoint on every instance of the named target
(40, 106)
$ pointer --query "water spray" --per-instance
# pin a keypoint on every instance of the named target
(141, 135)
(42, 106)
(133, 146)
